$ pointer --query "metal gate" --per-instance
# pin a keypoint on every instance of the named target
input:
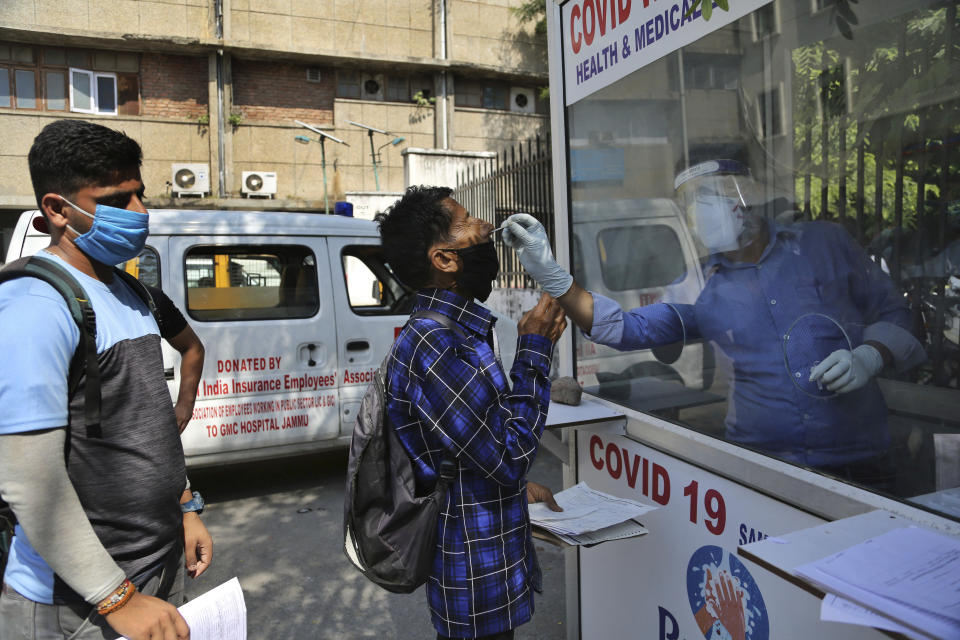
(517, 181)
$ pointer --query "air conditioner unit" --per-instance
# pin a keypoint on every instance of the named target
(258, 184)
(190, 179)
(522, 100)
(371, 86)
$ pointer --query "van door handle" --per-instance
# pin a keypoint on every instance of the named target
(168, 373)
(311, 362)
(358, 345)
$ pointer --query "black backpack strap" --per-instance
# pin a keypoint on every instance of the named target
(439, 318)
(142, 292)
(85, 356)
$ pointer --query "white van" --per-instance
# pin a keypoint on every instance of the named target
(637, 252)
(296, 312)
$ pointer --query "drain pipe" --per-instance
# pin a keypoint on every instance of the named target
(221, 130)
(218, 26)
(443, 75)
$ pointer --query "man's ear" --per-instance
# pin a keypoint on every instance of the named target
(52, 206)
(443, 261)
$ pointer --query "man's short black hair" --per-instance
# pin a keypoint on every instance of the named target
(71, 154)
(410, 227)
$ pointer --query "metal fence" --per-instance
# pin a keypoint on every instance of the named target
(517, 181)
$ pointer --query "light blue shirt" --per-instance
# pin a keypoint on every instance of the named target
(38, 340)
(746, 310)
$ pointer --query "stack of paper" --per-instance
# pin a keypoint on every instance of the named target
(908, 575)
(218, 614)
(589, 517)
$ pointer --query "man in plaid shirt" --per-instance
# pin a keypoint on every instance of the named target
(448, 398)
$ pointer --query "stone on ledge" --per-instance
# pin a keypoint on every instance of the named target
(566, 390)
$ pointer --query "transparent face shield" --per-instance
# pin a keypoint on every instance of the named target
(716, 211)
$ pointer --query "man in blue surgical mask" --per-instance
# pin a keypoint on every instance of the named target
(108, 525)
(804, 318)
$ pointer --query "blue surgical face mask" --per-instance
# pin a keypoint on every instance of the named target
(117, 235)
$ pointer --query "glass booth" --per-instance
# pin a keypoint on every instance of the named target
(765, 203)
(784, 187)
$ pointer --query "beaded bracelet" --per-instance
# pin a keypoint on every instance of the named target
(117, 599)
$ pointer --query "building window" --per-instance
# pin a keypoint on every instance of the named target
(5, 93)
(486, 94)
(55, 86)
(468, 94)
(711, 71)
(93, 92)
(422, 85)
(348, 84)
(496, 96)
(25, 88)
(398, 89)
(765, 21)
(384, 87)
(58, 79)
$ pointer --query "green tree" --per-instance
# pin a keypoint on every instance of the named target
(534, 11)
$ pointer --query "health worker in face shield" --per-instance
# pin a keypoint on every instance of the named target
(805, 319)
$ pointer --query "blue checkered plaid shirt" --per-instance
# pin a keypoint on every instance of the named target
(449, 397)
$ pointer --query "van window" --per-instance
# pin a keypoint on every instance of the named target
(640, 257)
(372, 288)
(251, 282)
(145, 267)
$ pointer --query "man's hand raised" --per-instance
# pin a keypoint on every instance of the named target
(546, 319)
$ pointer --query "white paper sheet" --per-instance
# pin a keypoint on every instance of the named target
(218, 614)
(628, 529)
(910, 574)
(585, 510)
(833, 608)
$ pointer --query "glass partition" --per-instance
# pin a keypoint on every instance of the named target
(769, 221)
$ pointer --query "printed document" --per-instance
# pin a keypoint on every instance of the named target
(218, 614)
(589, 516)
(833, 608)
(909, 574)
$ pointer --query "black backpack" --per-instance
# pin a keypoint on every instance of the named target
(84, 357)
(389, 531)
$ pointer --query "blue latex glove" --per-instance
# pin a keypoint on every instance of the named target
(525, 235)
(844, 371)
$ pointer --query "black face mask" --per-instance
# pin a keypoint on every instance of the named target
(480, 266)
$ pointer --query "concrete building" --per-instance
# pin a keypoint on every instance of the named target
(219, 84)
